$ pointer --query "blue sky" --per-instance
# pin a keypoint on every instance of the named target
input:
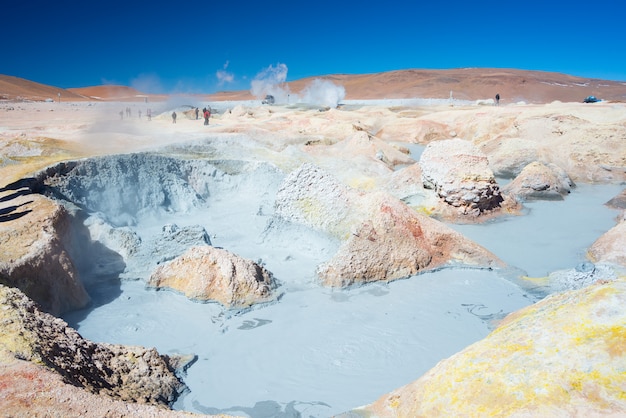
(208, 46)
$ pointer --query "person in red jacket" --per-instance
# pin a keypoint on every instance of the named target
(207, 115)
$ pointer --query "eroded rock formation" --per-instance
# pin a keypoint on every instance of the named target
(34, 255)
(209, 273)
(382, 238)
(459, 173)
(127, 373)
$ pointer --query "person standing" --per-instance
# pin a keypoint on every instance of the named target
(197, 112)
(173, 117)
(497, 99)
(207, 115)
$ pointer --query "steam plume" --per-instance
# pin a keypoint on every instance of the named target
(271, 81)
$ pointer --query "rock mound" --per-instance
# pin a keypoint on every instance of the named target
(127, 373)
(538, 362)
(35, 255)
(540, 181)
(460, 174)
(381, 238)
(611, 246)
(208, 273)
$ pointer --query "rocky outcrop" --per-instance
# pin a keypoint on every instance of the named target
(30, 390)
(125, 187)
(381, 238)
(133, 374)
(540, 181)
(172, 242)
(208, 273)
(564, 356)
(460, 174)
(611, 246)
(34, 255)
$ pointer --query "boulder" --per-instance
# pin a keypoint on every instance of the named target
(564, 356)
(611, 246)
(34, 255)
(393, 242)
(133, 374)
(209, 273)
(381, 237)
(460, 174)
(540, 181)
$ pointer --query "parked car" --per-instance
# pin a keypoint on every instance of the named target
(591, 99)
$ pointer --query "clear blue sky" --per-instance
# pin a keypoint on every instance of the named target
(208, 46)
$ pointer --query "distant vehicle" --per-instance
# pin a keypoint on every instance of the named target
(269, 99)
(591, 99)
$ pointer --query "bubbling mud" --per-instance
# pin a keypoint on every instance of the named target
(314, 352)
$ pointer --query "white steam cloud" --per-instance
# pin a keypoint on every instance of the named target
(323, 92)
(271, 81)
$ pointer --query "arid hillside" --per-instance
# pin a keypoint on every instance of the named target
(15, 88)
(464, 84)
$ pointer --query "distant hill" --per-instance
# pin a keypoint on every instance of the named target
(464, 83)
(15, 88)
(116, 93)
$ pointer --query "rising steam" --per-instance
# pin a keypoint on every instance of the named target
(272, 81)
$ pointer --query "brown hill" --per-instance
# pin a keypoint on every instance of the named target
(15, 88)
(465, 84)
(116, 93)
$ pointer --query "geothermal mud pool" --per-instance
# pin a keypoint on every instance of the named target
(315, 351)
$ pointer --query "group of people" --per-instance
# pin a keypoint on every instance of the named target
(206, 113)
(128, 113)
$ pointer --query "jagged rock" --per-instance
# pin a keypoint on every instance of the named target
(460, 174)
(127, 373)
(171, 243)
(382, 238)
(561, 357)
(30, 390)
(540, 181)
(208, 273)
(34, 254)
(125, 187)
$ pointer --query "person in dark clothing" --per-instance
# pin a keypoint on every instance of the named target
(497, 99)
(197, 112)
(173, 117)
